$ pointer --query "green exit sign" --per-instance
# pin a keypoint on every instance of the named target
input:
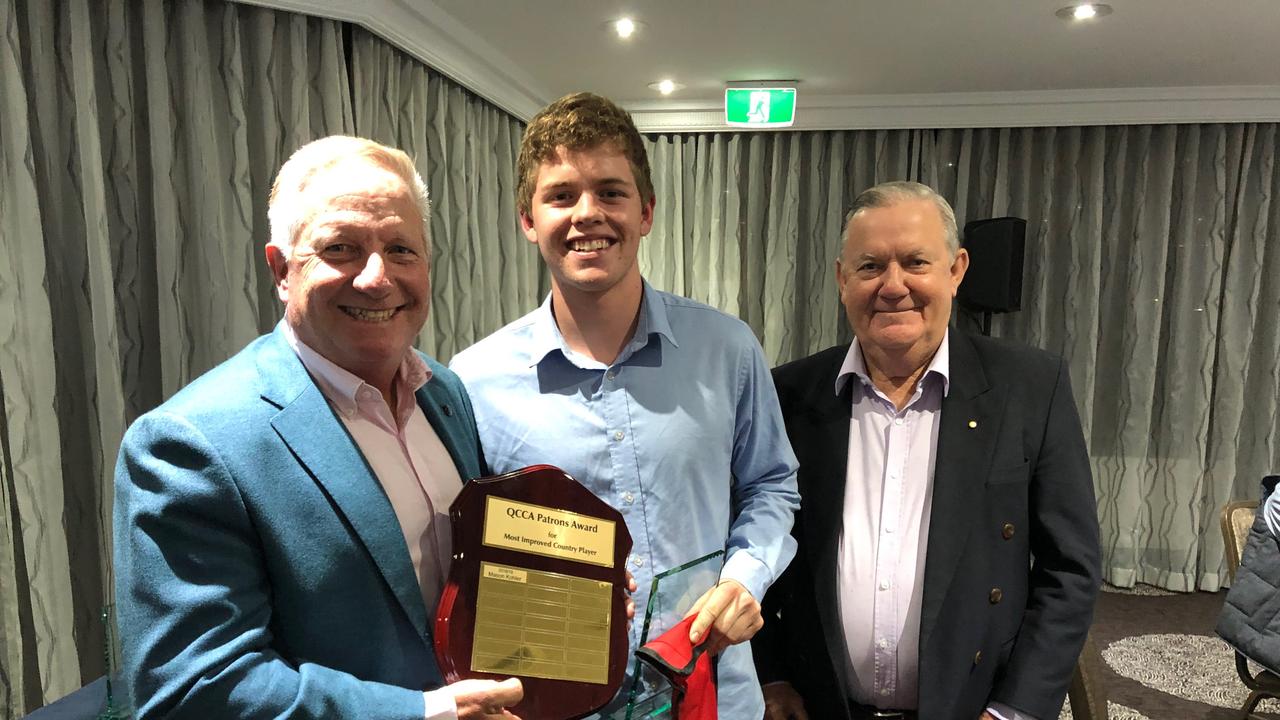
(760, 107)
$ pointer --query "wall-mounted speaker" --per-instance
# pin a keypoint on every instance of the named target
(993, 282)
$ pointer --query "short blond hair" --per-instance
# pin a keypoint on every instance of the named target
(285, 211)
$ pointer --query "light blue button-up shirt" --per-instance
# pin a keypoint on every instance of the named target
(682, 434)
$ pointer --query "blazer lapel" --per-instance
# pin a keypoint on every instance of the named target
(445, 419)
(328, 454)
(823, 485)
(971, 415)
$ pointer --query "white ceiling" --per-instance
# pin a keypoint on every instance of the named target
(900, 63)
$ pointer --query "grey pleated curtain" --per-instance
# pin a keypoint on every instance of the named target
(138, 141)
(1151, 264)
(483, 272)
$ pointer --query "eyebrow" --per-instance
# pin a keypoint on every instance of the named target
(566, 184)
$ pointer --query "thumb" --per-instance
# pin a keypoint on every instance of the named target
(508, 692)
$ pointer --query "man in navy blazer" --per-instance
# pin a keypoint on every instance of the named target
(279, 535)
(948, 555)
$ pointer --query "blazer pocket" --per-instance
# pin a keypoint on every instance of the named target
(1010, 474)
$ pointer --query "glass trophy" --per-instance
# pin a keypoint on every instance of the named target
(672, 595)
(117, 703)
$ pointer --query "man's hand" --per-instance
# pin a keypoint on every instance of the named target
(486, 699)
(782, 702)
(727, 615)
(631, 604)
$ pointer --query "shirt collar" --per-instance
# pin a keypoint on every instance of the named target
(855, 365)
(342, 387)
(545, 335)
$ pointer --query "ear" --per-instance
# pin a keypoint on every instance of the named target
(958, 268)
(526, 226)
(646, 216)
(279, 265)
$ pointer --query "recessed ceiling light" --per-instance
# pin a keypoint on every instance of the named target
(1084, 11)
(625, 27)
(666, 87)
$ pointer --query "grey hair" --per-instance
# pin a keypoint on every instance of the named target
(891, 193)
(285, 210)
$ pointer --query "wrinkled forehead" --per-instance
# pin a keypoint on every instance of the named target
(901, 226)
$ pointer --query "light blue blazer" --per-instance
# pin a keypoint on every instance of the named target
(260, 568)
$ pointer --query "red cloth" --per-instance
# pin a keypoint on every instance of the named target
(688, 668)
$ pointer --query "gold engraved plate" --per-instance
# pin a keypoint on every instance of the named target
(541, 624)
(546, 531)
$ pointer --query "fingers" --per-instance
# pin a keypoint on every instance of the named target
(507, 692)
(486, 699)
(729, 613)
(782, 702)
(707, 609)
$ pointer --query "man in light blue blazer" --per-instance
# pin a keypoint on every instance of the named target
(281, 524)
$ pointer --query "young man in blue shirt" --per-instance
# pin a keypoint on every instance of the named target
(662, 406)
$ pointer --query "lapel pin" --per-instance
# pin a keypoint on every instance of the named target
(973, 423)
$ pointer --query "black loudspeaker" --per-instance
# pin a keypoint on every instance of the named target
(993, 283)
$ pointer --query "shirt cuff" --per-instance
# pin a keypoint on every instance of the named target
(440, 705)
(1004, 712)
(750, 572)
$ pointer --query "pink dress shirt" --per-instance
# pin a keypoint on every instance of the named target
(887, 502)
(412, 465)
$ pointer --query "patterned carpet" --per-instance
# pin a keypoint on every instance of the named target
(1164, 661)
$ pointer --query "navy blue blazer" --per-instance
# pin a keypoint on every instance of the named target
(260, 568)
(1013, 560)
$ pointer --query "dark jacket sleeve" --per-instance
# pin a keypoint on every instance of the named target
(1066, 572)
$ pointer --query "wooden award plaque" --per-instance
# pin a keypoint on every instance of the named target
(536, 590)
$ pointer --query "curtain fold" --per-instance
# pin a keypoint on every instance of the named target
(483, 273)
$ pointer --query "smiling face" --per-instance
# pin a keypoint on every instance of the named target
(897, 280)
(587, 218)
(355, 283)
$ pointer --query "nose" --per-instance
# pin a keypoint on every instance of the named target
(893, 282)
(587, 210)
(373, 276)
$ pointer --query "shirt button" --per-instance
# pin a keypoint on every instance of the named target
(882, 645)
(628, 498)
(888, 529)
(884, 585)
(618, 435)
(885, 692)
(637, 561)
(897, 421)
(611, 374)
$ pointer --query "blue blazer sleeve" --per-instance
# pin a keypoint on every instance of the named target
(194, 601)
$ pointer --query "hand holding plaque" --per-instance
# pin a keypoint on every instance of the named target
(536, 590)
